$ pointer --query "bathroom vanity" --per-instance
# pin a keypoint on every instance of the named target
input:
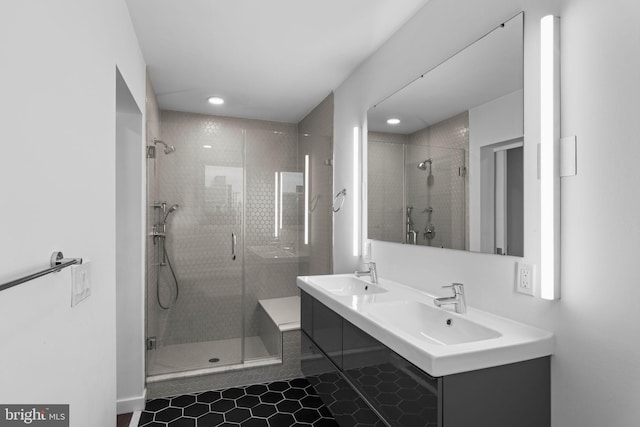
(477, 371)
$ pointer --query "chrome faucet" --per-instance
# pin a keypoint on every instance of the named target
(457, 299)
(371, 272)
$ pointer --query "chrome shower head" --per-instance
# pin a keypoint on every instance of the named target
(423, 165)
(168, 149)
(171, 210)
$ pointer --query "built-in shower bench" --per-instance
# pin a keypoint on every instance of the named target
(278, 316)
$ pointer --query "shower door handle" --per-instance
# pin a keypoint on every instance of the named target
(234, 241)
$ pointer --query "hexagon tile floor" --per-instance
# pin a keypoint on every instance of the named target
(277, 404)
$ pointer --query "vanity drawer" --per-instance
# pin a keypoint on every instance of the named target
(344, 403)
(404, 395)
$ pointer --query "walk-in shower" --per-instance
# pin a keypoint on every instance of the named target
(225, 177)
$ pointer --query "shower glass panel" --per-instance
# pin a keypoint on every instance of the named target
(274, 193)
(201, 325)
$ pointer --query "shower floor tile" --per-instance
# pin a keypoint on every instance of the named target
(191, 356)
(277, 404)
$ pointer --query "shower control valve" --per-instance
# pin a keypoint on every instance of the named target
(429, 232)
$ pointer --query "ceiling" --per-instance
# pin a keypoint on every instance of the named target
(269, 59)
(490, 68)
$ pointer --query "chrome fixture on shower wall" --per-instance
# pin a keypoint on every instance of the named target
(159, 234)
(423, 164)
(168, 149)
(151, 149)
(411, 235)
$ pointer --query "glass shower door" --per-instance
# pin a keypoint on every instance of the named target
(274, 193)
(195, 307)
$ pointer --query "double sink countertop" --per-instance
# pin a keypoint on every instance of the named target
(436, 339)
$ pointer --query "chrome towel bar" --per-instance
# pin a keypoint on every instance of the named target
(58, 262)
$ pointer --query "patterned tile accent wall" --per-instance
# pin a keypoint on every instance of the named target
(290, 368)
(205, 177)
(315, 135)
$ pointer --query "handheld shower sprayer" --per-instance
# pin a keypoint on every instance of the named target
(172, 209)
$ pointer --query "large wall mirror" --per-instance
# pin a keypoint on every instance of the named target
(445, 153)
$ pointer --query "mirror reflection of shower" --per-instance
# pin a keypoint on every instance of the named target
(424, 165)
(411, 235)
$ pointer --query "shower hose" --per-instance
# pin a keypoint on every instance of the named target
(175, 280)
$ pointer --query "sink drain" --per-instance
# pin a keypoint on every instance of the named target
(214, 360)
(449, 322)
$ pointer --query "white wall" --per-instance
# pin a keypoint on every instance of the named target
(595, 367)
(130, 252)
(57, 186)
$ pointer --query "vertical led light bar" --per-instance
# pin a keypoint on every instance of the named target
(281, 197)
(275, 206)
(356, 191)
(549, 157)
(306, 199)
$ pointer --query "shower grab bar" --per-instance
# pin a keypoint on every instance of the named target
(58, 262)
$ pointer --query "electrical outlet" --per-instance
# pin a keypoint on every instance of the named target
(526, 279)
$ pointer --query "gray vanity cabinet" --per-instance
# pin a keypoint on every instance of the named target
(357, 374)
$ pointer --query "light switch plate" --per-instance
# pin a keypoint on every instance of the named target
(80, 282)
(525, 278)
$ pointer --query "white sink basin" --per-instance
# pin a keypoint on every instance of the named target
(405, 320)
(429, 323)
(346, 285)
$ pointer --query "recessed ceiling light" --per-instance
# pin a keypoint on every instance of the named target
(393, 121)
(206, 146)
(216, 100)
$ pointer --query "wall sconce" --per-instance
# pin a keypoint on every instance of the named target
(550, 157)
(276, 191)
(356, 191)
(306, 199)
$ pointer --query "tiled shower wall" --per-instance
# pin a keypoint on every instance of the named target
(315, 136)
(211, 208)
(439, 187)
(448, 190)
(385, 190)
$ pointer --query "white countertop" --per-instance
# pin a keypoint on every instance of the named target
(514, 341)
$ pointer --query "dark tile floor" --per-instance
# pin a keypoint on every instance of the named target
(277, 404)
